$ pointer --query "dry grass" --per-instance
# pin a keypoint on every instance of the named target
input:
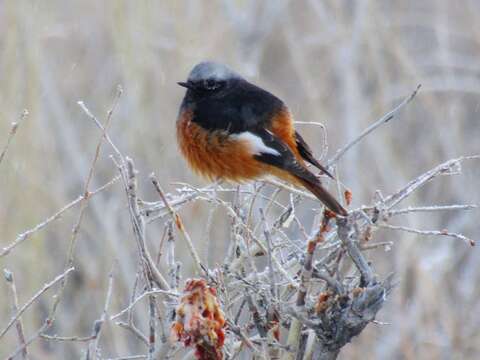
(340, 63)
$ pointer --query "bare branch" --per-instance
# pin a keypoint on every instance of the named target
(354, 252)
(99, 124)
(30, 340)
(97, 326)
(145, 294)
(14, 300)
(138, 334)
(429, 232)
(67, 338)
(139, 225)
(410, 209)
(83, 205)
(27, 233)
(383, 120)
(444, 168)
(45, 287)
(295, 327)
(179, 224)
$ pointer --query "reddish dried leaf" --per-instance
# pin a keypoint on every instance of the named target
(329, 214)
(322, 302)
(200, 321)
(311, 247)
(348, 196)
(357, 291)
(367, 235)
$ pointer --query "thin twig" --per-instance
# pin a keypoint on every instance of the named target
(385, 244)
(270, 255)
(410, 209)
(27, 233)
(67, 338)
(49, 321)
(83, 203)
(151, 327)
(139, 225)
(98, 325)
(305, 277)
(260, 247)
(290, 189)
(324, 136)
(444, 168)
(430, 232)
(12, 132)
(30, 340)
(100, 126)
(14, 300)
(179, 224)
(140, 297)
(130, 327)
(383, 120)
(45, 287)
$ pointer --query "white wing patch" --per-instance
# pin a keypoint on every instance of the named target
(256, 143)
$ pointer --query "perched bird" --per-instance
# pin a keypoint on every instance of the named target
(228, 128)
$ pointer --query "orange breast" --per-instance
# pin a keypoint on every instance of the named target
(215, 154)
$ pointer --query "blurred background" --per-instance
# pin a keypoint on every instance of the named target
(341, 63)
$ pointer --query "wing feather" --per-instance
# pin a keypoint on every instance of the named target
(285, 160)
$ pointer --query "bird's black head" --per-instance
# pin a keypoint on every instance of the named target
(209, 79)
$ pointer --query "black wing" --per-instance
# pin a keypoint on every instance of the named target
(307, 154)
(285, 160)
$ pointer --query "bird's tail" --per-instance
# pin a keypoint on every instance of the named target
(324, 196)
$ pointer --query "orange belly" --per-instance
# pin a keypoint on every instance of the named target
(216, 155)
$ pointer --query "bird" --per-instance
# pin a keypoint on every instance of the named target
(230, 129)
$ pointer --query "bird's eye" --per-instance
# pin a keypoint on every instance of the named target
(211, 84)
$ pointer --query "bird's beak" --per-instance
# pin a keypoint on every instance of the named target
(187, 85)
